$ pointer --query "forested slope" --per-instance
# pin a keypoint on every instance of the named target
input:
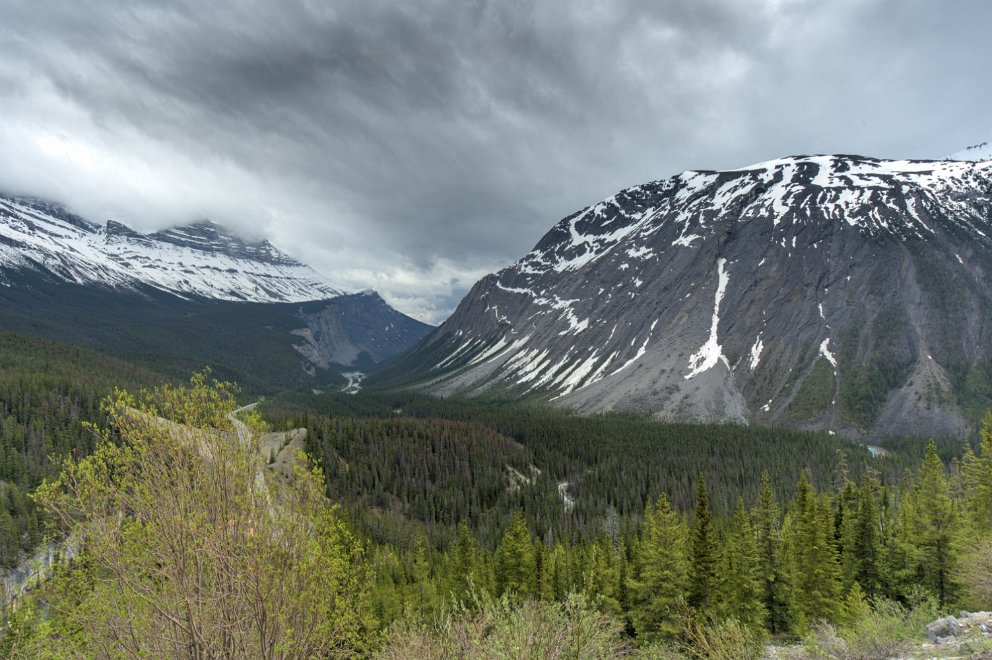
(47, 391)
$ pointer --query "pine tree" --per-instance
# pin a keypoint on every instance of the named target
(818, 586)
(658, 583)
(938, 519)
(739, 584)
(867, 547)
(776, 587)
(516, 564)
(704, 551)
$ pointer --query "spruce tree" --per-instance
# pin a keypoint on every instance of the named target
(938, 519)
(867, 547)
(845, 532)
(818, 586)
(704, 551)
(901, 552)
(976, 478)
(739, 585)
(423, 592)
(657, 586)
(465, 573)
(776, 587)
(516, 564)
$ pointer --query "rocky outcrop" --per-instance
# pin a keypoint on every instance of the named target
(968, 632)
(357, 330)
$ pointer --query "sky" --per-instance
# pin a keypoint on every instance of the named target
(413, 146)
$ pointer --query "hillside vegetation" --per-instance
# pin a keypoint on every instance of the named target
(460, 542)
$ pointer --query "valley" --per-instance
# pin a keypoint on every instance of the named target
(487, 330)
(740, 407)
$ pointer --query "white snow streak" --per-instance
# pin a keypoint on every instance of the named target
(825, 352)
(710, 353)
(756, 352)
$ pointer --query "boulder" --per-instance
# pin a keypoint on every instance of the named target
(947, 627)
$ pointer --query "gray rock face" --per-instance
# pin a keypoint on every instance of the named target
(833, 292)
(943, 630)
(356, 330)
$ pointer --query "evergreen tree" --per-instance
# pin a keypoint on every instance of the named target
(937, 517)
(599, 579)
(464, 570)
(776, 587)
(845, 532)
(818, 586)
(658, 583)
(423, 592)
(739, 585)
(516, 564)
(703, 569)
(867, 547)
(841, 472)
(976, 480)
(901, 553)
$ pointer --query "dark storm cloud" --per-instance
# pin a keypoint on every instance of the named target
(412, 146)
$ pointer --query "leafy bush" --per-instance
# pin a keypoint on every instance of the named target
(722, 639)
(976, 572)
(886, 630)
(505, 628)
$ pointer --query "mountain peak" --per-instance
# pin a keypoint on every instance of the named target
(200, 259)
(208, 236)
(981, 151)
(781, 292)
(114, 228)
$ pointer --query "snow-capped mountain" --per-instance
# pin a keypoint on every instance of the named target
(187, 297)
(836, 292)
(198, 260)
(981, 151)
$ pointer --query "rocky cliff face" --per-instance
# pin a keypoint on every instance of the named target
(358, 331)
(835, 292)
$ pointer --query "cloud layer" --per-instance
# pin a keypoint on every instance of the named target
(413, 146)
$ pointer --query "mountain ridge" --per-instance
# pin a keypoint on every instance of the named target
(199, 259)
(798, 291)
(188, 296)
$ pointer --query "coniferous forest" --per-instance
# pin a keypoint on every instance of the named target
(457, 522)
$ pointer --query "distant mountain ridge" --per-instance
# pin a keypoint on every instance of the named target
(838, 292)
(200, 259)
(186, 297)
(982, 151)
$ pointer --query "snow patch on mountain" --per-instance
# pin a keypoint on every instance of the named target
(756, 353)
(710, 353)
(825, 352)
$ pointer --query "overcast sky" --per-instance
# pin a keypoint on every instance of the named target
(412, 146)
